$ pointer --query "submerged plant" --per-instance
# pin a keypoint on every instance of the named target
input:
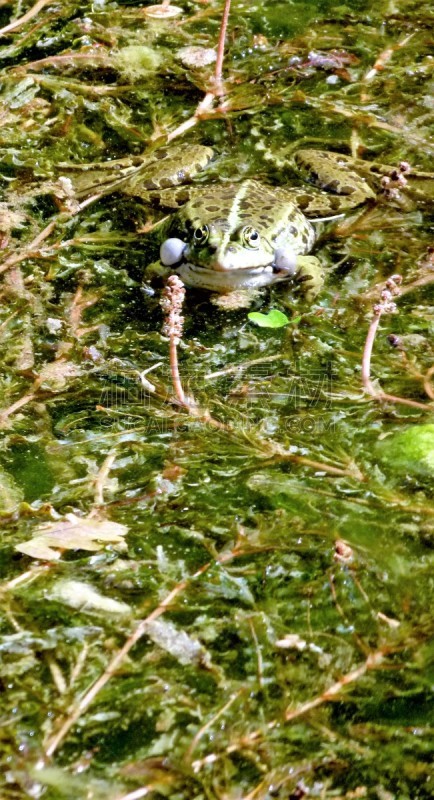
(227, 596)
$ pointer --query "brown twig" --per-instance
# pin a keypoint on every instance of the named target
(237, 369)
(259, 661)
(30, 249)
(50, 81)
(198, 736)
(22, 401)
(425, 280)
(218, 74)
(373, 661)
(65, 58)
(367, 353)
(102, 476)
(319, 466)
(171, 303)
(386, 306)
(142, 791)
(25, 578)
(412, 369)
(116, 662)
(205, 106)
(427, 383)
(384, 58)
(32, 12)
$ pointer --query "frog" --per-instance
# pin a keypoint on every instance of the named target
(242, 236)
(248, 235)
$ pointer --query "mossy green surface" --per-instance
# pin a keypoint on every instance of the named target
(410, 451)
(283, 567)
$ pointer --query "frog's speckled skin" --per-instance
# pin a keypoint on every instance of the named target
(244, 235)
(234, 233)
(227, 257)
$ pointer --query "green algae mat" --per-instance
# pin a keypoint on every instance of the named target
(217, 528)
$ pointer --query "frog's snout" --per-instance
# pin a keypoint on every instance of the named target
(212, 248)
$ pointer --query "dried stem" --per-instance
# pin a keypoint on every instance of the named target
(31, 248)
(32, 12)
(320, 465)
(137, 794)
(425, 280)
(174, 368)
(171, 303)
(66, 58)
(218, 75)
(102, 477)
(367, 353)
(25, 578)
(116, 662)
(260, 665)
(22, 401)
(201, 732)
(79, 664)
(427, 383)
(373, 661)
(384, 58)
(386, 306)
(205, 105)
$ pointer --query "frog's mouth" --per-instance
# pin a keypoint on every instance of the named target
(175, 253)
(219, 281)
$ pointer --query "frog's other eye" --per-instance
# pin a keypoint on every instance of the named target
(250, 237)
(200, 235)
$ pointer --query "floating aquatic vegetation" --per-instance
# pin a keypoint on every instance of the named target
(212, 584)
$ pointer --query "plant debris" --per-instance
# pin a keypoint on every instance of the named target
(215, 583)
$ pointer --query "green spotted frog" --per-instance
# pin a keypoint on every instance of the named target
(246, 235)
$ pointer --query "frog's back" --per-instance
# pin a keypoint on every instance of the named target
(268, 209)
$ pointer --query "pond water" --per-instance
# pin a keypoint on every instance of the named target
(229, 597)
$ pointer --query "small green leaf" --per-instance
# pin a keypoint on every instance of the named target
(274, 319)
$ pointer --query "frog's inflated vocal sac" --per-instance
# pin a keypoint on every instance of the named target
(248, 235)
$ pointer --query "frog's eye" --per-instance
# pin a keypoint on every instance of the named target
(201, 234)
(250, 236)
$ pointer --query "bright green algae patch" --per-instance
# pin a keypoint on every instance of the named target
(268, 573)
(410, 451)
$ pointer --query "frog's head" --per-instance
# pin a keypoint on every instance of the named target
(226, 253)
